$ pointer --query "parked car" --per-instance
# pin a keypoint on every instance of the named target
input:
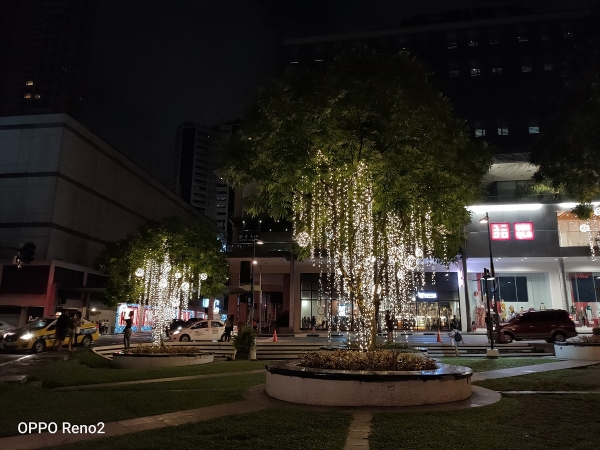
(203, 330)
(5, 328)
(39, 334)
(549, 324)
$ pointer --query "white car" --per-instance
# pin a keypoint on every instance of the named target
(203, 330)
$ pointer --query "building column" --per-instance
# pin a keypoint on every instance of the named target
(211, 307)
(563, 284)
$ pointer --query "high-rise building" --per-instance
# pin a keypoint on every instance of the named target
(194, 179)
(44, 51)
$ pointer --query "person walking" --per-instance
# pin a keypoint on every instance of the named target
(313, 323)
(60, 332)
(127, 331)
(74, 329)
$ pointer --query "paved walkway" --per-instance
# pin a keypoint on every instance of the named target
(357, 436)
(154, 380)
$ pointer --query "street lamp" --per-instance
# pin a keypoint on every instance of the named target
(255, 242)
(492, 274)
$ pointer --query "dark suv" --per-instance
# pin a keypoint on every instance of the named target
(549, 324)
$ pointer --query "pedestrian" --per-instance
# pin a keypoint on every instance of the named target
(456, 338)
(389, 326)
(313, 323)
(228, 328)
(127, 331)
(473, 327)
(60, 332)
(454, 323)
(74, 329)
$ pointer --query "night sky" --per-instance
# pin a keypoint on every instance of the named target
(159, 63)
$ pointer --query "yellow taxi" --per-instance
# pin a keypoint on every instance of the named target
(39, 334)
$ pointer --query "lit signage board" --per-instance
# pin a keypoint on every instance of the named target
(524, 231)
(500, 231)
(427, 295)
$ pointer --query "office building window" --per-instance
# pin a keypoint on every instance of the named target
(496, 70)
(523, 34)
(29, 83)
(502, 127)
(479, 128)
(27, 96)
(453, 70)
(494, 41)
(544, 37)
(37, 96)
(534, 126)
(451, 41)
(568, 34)
(526, 68)
(548, 66)
(475, 68)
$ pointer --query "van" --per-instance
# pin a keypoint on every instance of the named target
(553, 325)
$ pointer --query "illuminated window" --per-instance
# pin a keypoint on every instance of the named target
(502, 128)
(27, 96)
(475, 70)
(473, 43)
(453, 70)
(479, 128)
(534, 126)
(37, 95)
(29, 83)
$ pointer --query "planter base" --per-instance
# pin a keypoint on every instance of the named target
(123, 360)
(567, 350)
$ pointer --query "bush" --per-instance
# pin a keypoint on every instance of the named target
(399, 347)
(593, 339)
(596, 331)
(174, 349)
(245, 341)
(375, 360)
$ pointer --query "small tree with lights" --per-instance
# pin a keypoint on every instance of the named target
(164, 265)
(372, 167)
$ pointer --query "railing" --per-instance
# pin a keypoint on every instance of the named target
(247, 247)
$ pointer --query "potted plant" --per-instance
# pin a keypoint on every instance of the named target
(245, 343)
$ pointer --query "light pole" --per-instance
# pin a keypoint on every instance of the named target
(255, 242)
(486, 220)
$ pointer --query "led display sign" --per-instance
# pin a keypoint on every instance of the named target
(500, 231)
(523, 231)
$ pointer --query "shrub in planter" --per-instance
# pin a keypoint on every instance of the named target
(245, 342)
(596, 331)
(373, 360)
(173, 350)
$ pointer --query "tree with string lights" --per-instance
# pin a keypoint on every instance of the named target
(164, 265)
(373, 168)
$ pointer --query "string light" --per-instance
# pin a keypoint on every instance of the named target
(371, 258)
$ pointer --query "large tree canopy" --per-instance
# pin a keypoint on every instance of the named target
(568, 153)
(372, 167)
(361, 109)
(190, 248)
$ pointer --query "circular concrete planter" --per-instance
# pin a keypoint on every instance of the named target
(577, 350)
(123, 360)
(292, 383)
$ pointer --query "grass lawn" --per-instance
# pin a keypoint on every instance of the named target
(522, 422)
(580, 379)
(484, 364)
(38, 404)
(86, 367)
(270, 429)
